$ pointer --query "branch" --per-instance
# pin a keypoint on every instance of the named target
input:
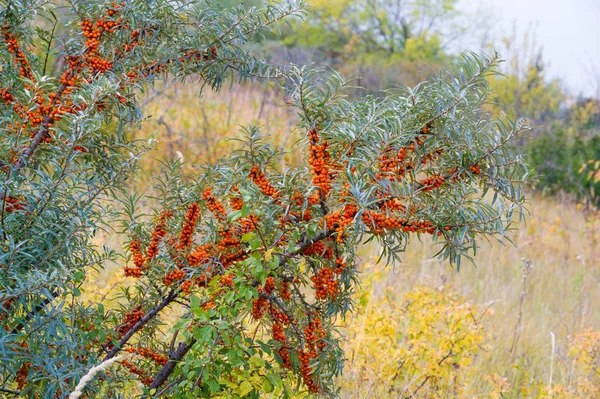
(165, 302)
(303, 245)
(168, 368)
(31, 313)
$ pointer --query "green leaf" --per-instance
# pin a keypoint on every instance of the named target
(267, 386)
(244, 389)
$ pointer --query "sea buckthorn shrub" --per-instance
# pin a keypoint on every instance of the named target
(257, 259)
(260, 260)
(67, 150)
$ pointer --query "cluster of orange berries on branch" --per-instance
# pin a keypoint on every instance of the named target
(320, 162)
(318, 249)
(186, 286)
(325, 284)
(389, 166)
(236, 201)
(378, 221)
(157, 235)
(341, 265)
(227, 280)
(258, 307)
(22, 373)
(189, 225)
(269, 285)
(131, 319)
(229, 259)
(135, 37)
(198, 255)
(306, 370)
(258, 177)
(133, 369)
(279, 316)
(475, 169)
(392, 204)
(19, 56)
(155, 68)
(432, 182)
(432, 156)
(284, 292)
(172, 276)
(315, 334)
(283, 351)
(12, 204)
(392, 165)
(228, 240)
(339, 220)
(261, 303)
(148, 353)
(314, 339)
(6, 96)
(214, 205)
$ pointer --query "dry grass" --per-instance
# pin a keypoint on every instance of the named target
(560, 297)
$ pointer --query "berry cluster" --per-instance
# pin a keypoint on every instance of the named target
(12, 204)
(185, 238)
(229, 259)
(186, 286)
(157, 358)
(320, 162)
(172, 276)
(19, 56)
(314, 340)
(325, 284)
(131, 319)
(339, 220)
(22, 373)
(158, 234)
(214, 205)
(135, 247)
(392, 204)
(236, 201)
(341, 265)
(283, 351)
(475, 169)
(318, 249)
(284, 292)
(390, 166)
(6, 96)
(138, 261)
(379, 221)
(227, 280)
(199, 255)
(258, 177)
(133, 369)
(154, 68)
(432, 182)
(258, 307)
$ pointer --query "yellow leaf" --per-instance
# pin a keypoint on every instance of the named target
(269, 255)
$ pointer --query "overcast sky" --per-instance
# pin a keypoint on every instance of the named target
(568, 31)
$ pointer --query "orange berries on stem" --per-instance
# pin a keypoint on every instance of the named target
(258, 177)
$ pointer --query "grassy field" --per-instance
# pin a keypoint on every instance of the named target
(531, 303)
(520, 323)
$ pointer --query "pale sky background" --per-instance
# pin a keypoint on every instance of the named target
(568, 31)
